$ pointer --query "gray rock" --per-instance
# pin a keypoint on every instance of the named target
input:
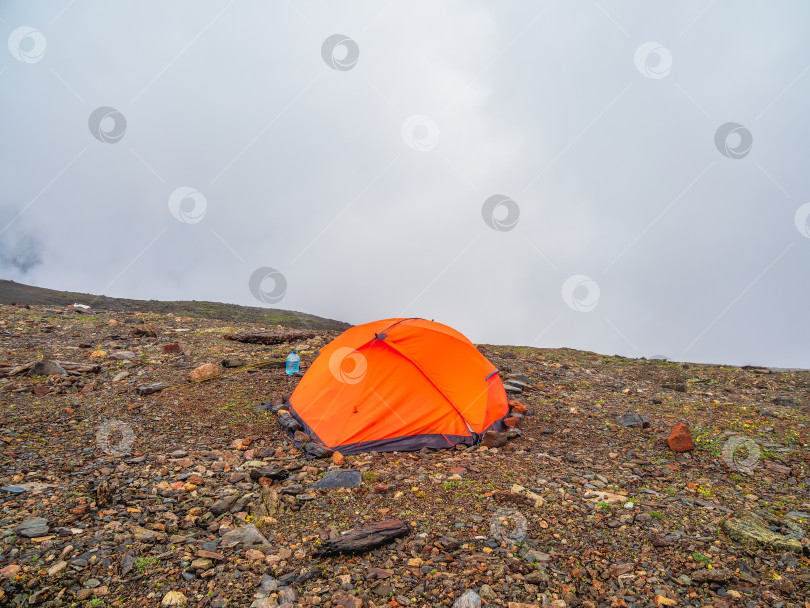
(634, 420)
(120, 376)
(33, 527)
(123, 355)
(468, 599)
(246, 535)
(486, 592)
(752, 530)
(340, 479)
(47, 368)
(536, 577)
(316, 450)
(223, 505)
(798, 514)
(152, 388)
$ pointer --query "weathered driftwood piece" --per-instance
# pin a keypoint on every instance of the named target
(364, 538)
(270, 337)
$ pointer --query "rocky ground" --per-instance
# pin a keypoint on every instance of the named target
(125, 483)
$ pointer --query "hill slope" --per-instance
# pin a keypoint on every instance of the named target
(17, 293)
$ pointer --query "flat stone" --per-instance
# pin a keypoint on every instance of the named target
(634, 420)
(33, 527)
(753, 530)
(340, 479)
(174, 598)
(47, 368)
(246, 535)
(223, 505)
(148, 389)
(797, 514)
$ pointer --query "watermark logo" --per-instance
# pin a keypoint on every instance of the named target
(348, 365)
(184, 212)
(733, 451)
(420, 133)
(653, 60)
(500, 213)
(107, 125)
(733, 140)
(340, 52)
(258, 284)
(580, 293)
(111, 429)
(508, 525)
(27, 44)
(802, 220)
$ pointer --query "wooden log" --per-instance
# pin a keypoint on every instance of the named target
(270, 337)
(364, 538)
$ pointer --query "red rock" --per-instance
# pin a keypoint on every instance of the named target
(197, 480)
(41, 390)
(80, 510)
(511, 422)
(250, 454)
(494, 439)
(172, 348)
(680, 438)
(516, 407)
(458, 470)
(265, 481)
(338, 458)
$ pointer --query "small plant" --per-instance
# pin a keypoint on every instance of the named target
(143, 564)
(370, 476)
(96, 602)
(657, 515)
(699, 557)
(604, 505)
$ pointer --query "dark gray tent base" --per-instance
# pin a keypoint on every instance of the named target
(406, 443)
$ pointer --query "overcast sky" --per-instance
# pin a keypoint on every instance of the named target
(628, 178)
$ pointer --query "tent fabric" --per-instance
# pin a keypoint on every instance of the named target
(399, 385)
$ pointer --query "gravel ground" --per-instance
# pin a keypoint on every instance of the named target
(192, 495)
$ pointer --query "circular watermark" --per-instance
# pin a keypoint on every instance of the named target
(500, 213)
(509, 525)
(348, 365)
(802, 220)
(109, 429)
(107, 125)
(733, 140)
(187, 213)
(340, 52)
(27, 44)
(580, 293)
(732, 454)
(420, 133)
(653, 60)
(259, 285)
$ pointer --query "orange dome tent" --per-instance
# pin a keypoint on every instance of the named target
(399, 385)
